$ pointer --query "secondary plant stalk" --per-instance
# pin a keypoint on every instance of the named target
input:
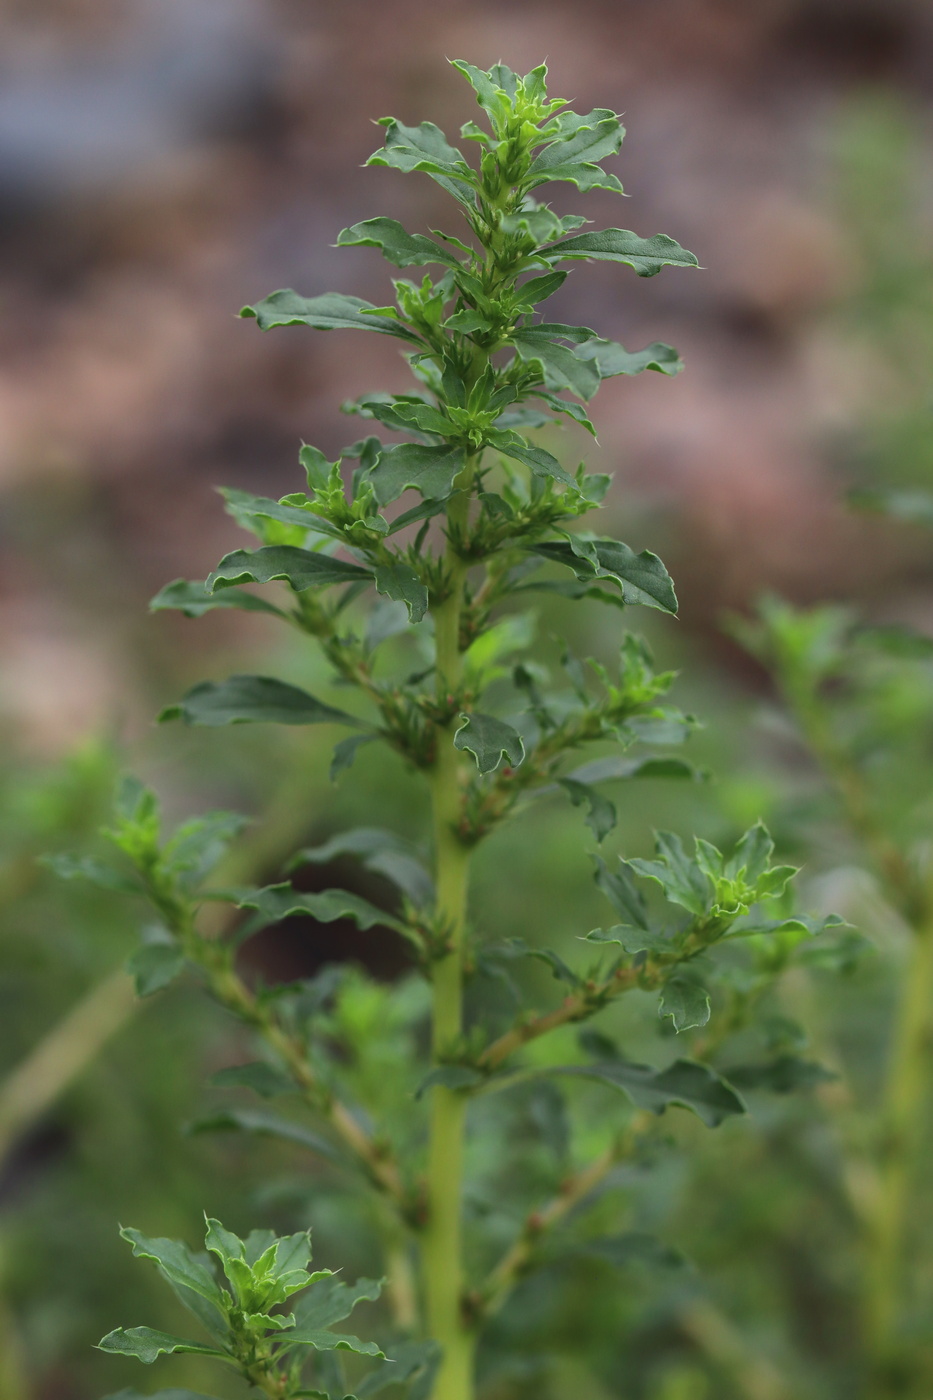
(443, 1243)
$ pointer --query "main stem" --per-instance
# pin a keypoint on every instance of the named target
(901, 1124)
(443, 1243)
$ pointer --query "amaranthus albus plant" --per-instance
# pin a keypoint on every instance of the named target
(418, 605)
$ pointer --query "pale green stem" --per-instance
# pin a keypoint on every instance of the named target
(443, 1243)
(901, 1130)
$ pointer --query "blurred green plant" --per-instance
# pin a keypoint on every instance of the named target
(439, 668)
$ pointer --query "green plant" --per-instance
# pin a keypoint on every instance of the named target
(442, 670)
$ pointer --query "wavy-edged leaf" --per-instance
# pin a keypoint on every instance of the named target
(634, 940)
(646, 255)
(191, 597)
(622, 892)
(380, 851)
(784, 1075)
(302, 568)
(686, 1002)
(277, 902)
(262, 1078)
(489, 740)
(253, 700)
(684, 1084)
(188, 1275)
(425, 147)
(155, 965)
(400, 583)
(95, 872)
(585, 141)
(541, 463)
(611, 358)
(561, 368)
(602, 816)
(604, 770)
(331, 1300)
(146, 1344)
(320, 1340)
(430, 470)
(402, 248)
(331, 312)
(642, 577)
(250, 1120)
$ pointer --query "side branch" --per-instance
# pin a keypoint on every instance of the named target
(578, 1007)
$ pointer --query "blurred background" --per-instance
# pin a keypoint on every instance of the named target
(164, 161)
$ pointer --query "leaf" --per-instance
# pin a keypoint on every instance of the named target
(192, 598)
(331, 312)
(641, 577)
(426, 511)
(402, 584)
(173, 1394)
(752, 854)
(561, 368)
(345, 753)
(402, 248)
(589, 139)
(456, 1077)
(146, 1345)
(154, 966)
(646, 255)
(331, 1300)
(258, 1076)
(430, 470)
(634, 940)
(381, 851)
(489, 740)
(611, 358)
(783, 1075)
(410, 1359)
(681, 879)
(685, 1084)
(686, 1002)
(425, 147)
(277, 902)
(302, 568)
(328, 1341)
(518, 948)
(253, 700)
(264, 1124)
(636, 1247)
(914, 507)
(95, 872)
(187, 1274)
(895, 640)
(622, 892)
(602, 815)
(602, 770)
(542, 464)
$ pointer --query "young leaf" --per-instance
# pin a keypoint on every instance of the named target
(686, 1002)
(490, 741)
(146, 1345)
(258, 1076)
(430, 470)
(622, 892)
(402, 248)
(425, 147)
(251, 1120)
(646, 255)
(573, 158)
(401, 583)
(561, 368)
(331, 1300)
(784, 1075)
(277, 902)
(641, 577)
(330, 312)
(188, 1276)
(542, 464)
(302, 568)
(253, 700)
(685, 1084)
(611, 358)
(193, 598)
(154, 966)
(602, 815)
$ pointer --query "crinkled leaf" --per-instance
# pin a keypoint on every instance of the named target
(686, 1002)
(187, 1274)
(561, 368)
(331, 1300)
(320, 1340)
(622, 892)
(253, 700)
(191, 597)
(611, 358)
(586, 140)
(783, 1075)
(154, 966)
(641, 577)
(302, 568)
(146, 1344)
(400, 583)
(601, 817)
(425, 147)
(794, 923)
(489, 740)
(680, 877)
(634, 940)
(402, 248)
(752, 854)
(277, 902)
(380, 851)
(430, 470)
(685, 1084)
(646, 255)
(541, 463)
(331, 312)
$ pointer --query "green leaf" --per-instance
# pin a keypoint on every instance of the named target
(264, 1124)
(146, 1345)
(686, 1002)
(410, 1359)
(781, 1076)
(154, 966)
(684, 1084)
(320, 1340)
(302, 568)
(895, 640)
(253, 700)
(430, 470)
(187, 1274)
(402, 584)
(752, 855)
(192, 598)
(646, 255)
(425, 147)
(634, 940)
(489, 740)
(277, 902)
(641, 577)
(457, 1077)
(602, 770)
(95, 872)
(542, 464)
(518, 948)
(402, 248)
(636, 1247)
(345, 753)
(602, 815)
(586, 140)
(561, 368)
(611, 358)
(331, 1300)
(380, 851)
(681, 879)
(258, 1076)
(330, 312)
(913, 507)
(173, 1394)
(622, 892)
